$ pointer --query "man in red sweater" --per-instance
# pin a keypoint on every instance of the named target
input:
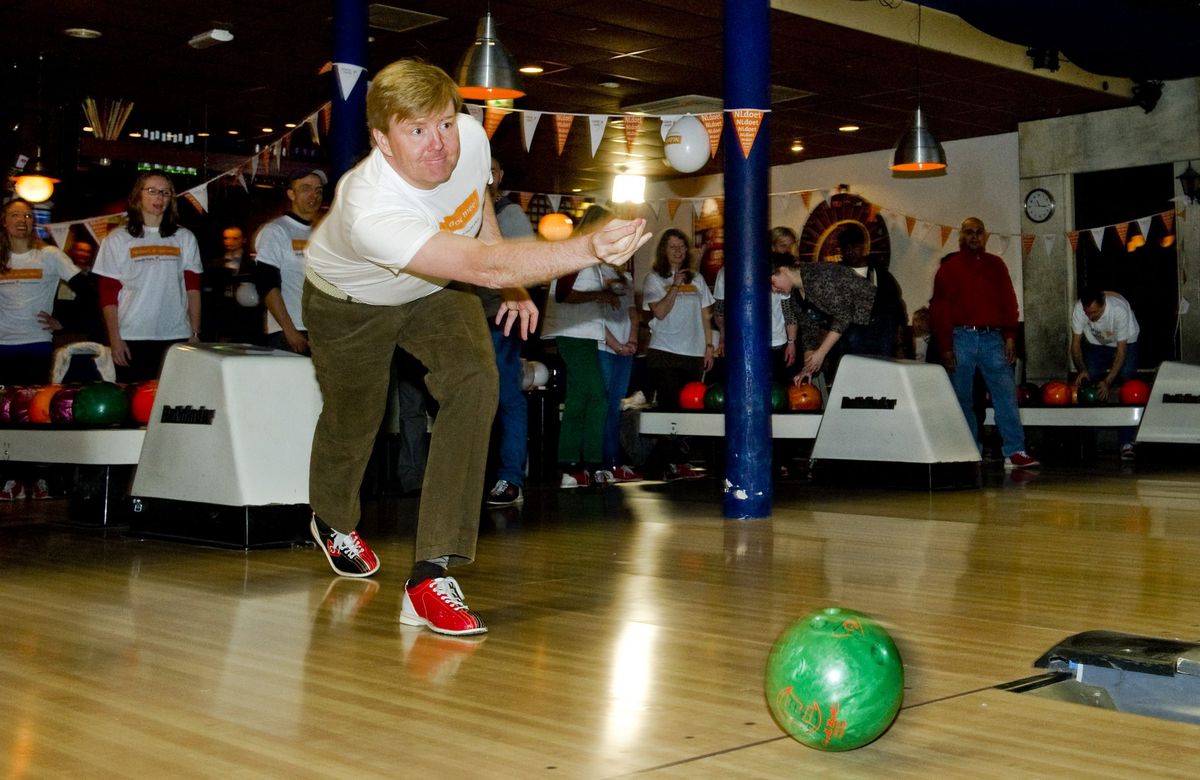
(974, 321)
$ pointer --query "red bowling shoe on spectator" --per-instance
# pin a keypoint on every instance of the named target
(438, 604)
(348, 554)
(12, 491)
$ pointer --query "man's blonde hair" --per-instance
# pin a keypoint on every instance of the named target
(407, 89)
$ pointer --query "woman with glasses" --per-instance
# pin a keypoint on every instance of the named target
(29, 275)
(149, 272)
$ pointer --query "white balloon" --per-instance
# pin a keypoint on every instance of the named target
(246, 294)
(686, 145)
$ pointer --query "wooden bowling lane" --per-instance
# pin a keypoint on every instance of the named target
(629, 632)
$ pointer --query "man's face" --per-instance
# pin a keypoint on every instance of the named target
(1094, 311)
(232, 239)
(82, 254)
(852, 256)
(497, 175)
(971, 235)
(423, 150)
(306, 193)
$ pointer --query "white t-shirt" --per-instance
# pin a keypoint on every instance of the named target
(152, 304)
(577, 320)
(778, 326)
(1117, 323)
(28, 287)
(378, 221)
(281, 243)
(681, 332)
(616, 321)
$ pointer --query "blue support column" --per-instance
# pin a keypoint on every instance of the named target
(348, 124)
(748, 491)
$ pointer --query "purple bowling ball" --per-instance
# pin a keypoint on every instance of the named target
(62, 406)
(18, 409)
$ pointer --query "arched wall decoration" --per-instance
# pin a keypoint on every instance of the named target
(818, 239)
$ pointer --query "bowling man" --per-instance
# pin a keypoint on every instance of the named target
(973, 315)
(409, 218)
(1104, 347)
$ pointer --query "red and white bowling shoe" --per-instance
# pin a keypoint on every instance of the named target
(438, 604)
(348, 554)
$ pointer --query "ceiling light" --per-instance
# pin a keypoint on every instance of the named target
(35, 184)
(1189, 183)
(232, 132)
(84, 33)
(290, 125)
(88, 129)
(849, 128)
(210, 38)
(268, 129)
(609, 84)
(628, 188)
(797, 146)
(918, 150)
(135, 134)
(486, 70)
(202, 134)
(532, 70)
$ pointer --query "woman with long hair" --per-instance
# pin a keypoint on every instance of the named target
(149, 272)
(30, 271)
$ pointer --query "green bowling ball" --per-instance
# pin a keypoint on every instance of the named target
(101, 403)
(1089, 394)
(714, 398)
(835, 680)
(779, 398)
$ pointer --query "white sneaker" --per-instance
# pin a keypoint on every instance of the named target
(604, 477)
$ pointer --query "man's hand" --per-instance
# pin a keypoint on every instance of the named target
(618, 240)
(295, 340)
(949, 361)
(1010, 351)
(120, 352)
(512, 310)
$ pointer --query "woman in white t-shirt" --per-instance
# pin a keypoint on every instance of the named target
(30, 271)
(149, 278)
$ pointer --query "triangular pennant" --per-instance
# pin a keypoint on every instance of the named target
(825, 196)
(562, 128)
(697, 207)
(714, 123)
(312, 130)
(554, 201)
(672, 206)
(198, 196)
(1003, 242)
(326, 117)
(909, 222)
(491, 119)
(655, 206)
(1122, 231)
(347, 77)
(746, 122)
(253, 168)
(277, 153)
(805, 197)
(60, 231)
(241, 177)
(633, 125)
(946, 231)
(872, 213)
(1073, 238)
(476, 111)
(529, 123)
(1027, 244)
(1168, 218)
(1144, 225)
(596, 126)
(524, 198)
(1048, 241)
(665, 124)
(100, 227)
(1097, 236)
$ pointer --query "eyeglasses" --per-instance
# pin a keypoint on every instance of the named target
(154, 192)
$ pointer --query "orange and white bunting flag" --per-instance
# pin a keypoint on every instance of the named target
(909, 224)
(946, 231)
(806, 197)
(597, 123)
(1073, 238)
(1168, 218)
(1048, 242)
(746, 122)
(672, 206)
(1122, 230)
(1027, 244)
(524, 198)
(1144, 225)
(1097, 236)
(714, 123)
(476, 111)
(326, 117)
(633, 126)
(872, 213)
(562, 128)
(529, 123)
(491, 119)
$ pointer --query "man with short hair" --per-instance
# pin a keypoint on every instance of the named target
(973, 315)
(1104, 347)
(406, 220)
(279, 268)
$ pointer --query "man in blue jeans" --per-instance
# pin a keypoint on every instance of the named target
(1104, 347)
(973, 315)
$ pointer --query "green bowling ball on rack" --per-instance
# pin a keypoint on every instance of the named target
(101, 403)
(779, 397)
(834, 680)
(1089, 394)
(714, 398)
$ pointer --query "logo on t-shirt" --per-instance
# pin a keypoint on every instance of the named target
(299, 244)
(150, 252)
(462, 215)
(21, 275)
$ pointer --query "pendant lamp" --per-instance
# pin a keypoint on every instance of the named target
(486, 71)
(35, 184)
(918, 151)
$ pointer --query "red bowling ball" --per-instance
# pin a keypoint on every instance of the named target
(1135, 392)
(143, 401)
(691, 397)
(62, 409)
(1056, 394)
(20, 400)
